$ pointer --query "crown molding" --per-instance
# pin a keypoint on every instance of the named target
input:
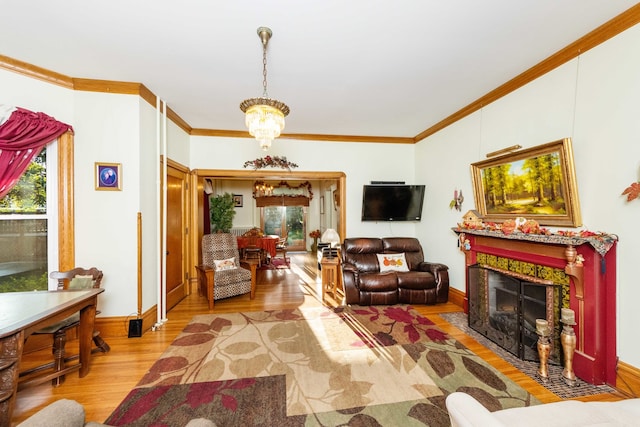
(606, 31)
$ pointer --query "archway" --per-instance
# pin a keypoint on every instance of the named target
(197, 187)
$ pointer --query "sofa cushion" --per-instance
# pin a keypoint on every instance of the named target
(379, 282)
(361, 253)
(465, 411)
(566, 413)
(61, 413)
(416, 280)
(410, 246)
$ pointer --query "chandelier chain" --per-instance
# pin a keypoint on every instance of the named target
(264, 71)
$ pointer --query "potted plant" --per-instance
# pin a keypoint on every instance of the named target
(222, 212)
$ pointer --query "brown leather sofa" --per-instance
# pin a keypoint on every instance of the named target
(365, 284)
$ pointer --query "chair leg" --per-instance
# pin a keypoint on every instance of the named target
(100, 343)
(59, 342)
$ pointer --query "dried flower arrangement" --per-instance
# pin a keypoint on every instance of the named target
(270, 162)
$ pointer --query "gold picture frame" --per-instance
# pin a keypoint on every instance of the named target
(537, 183)
(108, 176)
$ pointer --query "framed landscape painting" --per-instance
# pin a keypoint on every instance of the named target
(537, 183)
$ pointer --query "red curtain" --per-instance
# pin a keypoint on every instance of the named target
(22, 138)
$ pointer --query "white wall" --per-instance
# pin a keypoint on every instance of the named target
(361, 162)
(595, 100)
(107, 130)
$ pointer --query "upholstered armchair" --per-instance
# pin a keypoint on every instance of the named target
(221, 274)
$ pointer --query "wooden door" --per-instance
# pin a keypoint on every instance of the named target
(176, 254)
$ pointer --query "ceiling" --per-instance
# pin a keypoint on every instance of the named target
(349, 68)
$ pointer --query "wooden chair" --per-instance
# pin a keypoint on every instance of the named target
(221, 275)
(253, 250)
(281, 248)
(78, 278)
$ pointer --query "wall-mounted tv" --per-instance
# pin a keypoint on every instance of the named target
(392, 202)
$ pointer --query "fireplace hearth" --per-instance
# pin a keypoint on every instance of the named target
(504, 309)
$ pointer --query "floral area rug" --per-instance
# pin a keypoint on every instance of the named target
(364, 366)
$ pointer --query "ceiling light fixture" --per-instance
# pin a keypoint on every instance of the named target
(264, 116)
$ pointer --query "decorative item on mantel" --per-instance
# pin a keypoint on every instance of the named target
(270, 162)
(529, 231)
(472, 219)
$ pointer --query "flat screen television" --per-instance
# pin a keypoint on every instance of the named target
(392, 202)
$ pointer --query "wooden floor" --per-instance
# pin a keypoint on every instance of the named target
(114, 374)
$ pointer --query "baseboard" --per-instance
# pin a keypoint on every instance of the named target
(456, 297)
(628, 379)
(119, 326)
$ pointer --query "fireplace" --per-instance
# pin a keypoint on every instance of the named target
(573, 272)
(504, 308)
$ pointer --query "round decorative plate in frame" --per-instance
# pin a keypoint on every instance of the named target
(108, 176)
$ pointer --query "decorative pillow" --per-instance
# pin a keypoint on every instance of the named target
(225, 264)
(392, 262)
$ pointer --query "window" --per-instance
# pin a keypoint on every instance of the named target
(26, 225)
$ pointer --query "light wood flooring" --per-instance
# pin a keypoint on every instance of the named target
(114, 374)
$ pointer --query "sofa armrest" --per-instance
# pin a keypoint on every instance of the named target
(433, 267)
(350, 283)
(465, 411)
(441, 274)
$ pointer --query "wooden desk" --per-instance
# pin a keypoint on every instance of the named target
(22, 313)
(331, 277)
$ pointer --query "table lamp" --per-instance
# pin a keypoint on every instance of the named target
(330, 236)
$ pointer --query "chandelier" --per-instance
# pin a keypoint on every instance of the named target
(264, 117)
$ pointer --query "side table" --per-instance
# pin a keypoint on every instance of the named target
(331, 279)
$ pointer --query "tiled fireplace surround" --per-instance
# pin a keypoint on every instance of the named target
(591, 271)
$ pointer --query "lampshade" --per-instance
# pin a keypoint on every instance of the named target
(330, 236)
(264, 117)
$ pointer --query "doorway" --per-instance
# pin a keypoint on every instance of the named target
(287, 221)
(196, 187)
(176, 254)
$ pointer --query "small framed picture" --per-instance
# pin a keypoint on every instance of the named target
(108, 176)
(237, 200)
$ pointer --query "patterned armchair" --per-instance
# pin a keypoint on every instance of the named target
(221, 275)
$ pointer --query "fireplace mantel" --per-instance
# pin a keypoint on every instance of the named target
(590, 262)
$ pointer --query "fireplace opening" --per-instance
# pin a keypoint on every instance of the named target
(504, 308)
